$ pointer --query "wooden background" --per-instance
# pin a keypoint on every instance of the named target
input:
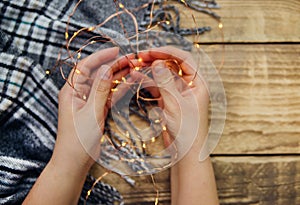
(258, 158)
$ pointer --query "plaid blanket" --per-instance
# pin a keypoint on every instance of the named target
(31, 35)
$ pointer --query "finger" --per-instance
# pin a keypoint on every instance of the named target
(100, 91)
(87, 67)
(166, 84)
(183, 59)
(121, 62)
(97, 59)
(120, 75)
(146, 82)
(119, 92)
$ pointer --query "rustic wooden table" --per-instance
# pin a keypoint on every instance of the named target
(258, 158)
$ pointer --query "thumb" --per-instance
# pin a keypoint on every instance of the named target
(100, 91)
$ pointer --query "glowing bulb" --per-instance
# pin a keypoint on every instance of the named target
(66, 36)
(157, 121)
(48, 72)
(197, 45)
(102, 139)
(114, 89)
(220, 25)
(116, 81)
(153, 139)
(91, 28)
(121, 6)
(167, 22)
(75, 33)
(92, 42)
(124, 79)
(84, 97)
(140, 60)
(180, 72)
(164, 128)
(124, 144)
(136, 68)
(190, 83)
(79, 55)
(144, 145)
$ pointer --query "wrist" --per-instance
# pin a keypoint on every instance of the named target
(76, 162)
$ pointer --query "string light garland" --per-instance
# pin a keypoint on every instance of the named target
(129, 146)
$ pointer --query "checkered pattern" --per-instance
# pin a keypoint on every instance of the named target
(31, 35)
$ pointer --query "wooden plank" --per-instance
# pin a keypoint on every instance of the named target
(251, 21)
(240, 180)
(262, 84)
(258, 180)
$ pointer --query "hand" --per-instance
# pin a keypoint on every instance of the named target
(192, 182)
(82, 112)
(183, 99)
(82, 109)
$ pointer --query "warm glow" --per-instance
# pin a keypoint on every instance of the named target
(121, 6)
(91, 28)
(48, 72)
(220, 25)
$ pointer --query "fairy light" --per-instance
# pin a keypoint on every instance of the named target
(48, 72)
(197, 45)
(72, 58)
(180, 72)
(66, 35)
(116, 82)
(220, 25)
(77, 71)
(121, 6)
(102, 140)
(92, 28)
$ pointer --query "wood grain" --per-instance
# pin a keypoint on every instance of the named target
(251, 21)
(258, 180)
(240, 180)
(262, 85)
